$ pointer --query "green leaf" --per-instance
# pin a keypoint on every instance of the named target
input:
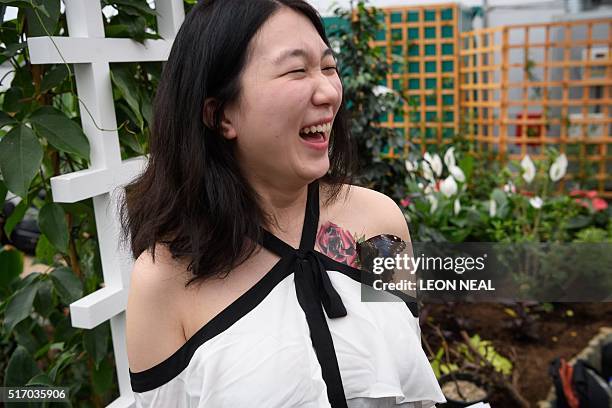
(11, 266)
(61, 362)
(467, 165)
(11, 99)
(54, 77)
(28, 280)
(95, 342)
(41, 379)
(24, 337)
(16, 216)
(60, 131)
(20, 159)
(43, 302)
(67, 284)
(44, 252)
(20, 369)
(12, 49)
(123, 80)
(3, 191)
(499, 196)
(16, 3)
(6, 119)
(20, 305)
(45, 23)
(102, 377)
(578, 222)
(130, 140)
(48, 346)
(52, 223)
(147, 110)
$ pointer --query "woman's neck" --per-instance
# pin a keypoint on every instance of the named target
(284, 206)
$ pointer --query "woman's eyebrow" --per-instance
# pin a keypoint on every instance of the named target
(299, 52)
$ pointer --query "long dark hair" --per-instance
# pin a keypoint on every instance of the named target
(192, 196)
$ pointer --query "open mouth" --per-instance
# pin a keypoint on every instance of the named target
(316, 134)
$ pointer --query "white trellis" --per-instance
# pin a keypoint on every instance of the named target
(90, 53)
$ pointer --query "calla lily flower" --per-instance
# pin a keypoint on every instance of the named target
(449, 157)
(558, 168)
(433, 201)
(536, 202)
(457, 173)
(457, 206)
(529, 169)
(436, 165)
(427, 172)
(448, 187)
(411, 166)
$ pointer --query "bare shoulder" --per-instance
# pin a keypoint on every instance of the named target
(153, 324)
(368, 212)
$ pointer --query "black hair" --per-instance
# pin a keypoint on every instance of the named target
(192, 196)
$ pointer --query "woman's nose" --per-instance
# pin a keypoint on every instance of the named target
(326, 91)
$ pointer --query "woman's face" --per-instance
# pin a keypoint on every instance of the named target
(289, 84)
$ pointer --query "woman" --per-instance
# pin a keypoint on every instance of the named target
(244, 292)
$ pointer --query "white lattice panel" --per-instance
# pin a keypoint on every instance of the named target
(90, 53)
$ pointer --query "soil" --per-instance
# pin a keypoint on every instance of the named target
(462, 390)
(561, 332)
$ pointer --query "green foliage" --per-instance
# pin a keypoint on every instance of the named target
(441, 368)
(363, 69)
(488, 353)
(496, 204)
(41, 137)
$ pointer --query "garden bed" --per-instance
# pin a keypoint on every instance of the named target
(563, 332)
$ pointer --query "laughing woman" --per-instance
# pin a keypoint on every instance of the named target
(246, 290)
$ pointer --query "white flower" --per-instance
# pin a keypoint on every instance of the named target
(529, 169)
(429, 188)
(380, 90)
(457, 173)
(457, 206)
(427, 173)
(436, 164)
(509, 187)
(449, 158)
(536, 202)
(492, 208)
(558, 168)
(433, 201)
(420, 186)
(411, 166)
(448, 186)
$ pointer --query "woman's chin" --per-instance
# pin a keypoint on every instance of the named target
(314, 171)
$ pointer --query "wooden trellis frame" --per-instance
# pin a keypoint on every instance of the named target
(518, 97)
(426, 39)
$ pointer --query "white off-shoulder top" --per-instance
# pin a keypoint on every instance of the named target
(300, 337)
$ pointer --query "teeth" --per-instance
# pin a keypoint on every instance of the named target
(325, 128)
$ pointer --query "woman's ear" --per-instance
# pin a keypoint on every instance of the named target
(208, 115)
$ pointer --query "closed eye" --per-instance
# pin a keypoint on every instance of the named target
(332, 68)
(297, 71)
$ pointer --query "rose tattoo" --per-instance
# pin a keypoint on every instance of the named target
(338, 244)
